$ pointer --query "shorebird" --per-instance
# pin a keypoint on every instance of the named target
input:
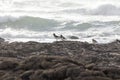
(56, 37)
(62, 37)
(117, 40)
(94, 41)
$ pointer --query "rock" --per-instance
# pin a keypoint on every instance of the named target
(90, 66)
(8, 65)
(2, 73)
(68, 78)
(51, 67)
(113, 73)
(55, 74)
(36, 75)
(10, 78)
(50, 61)
(74, 71)
(37, 63)
(26, 75)
(88, 73)
(96, 78)
(73, 37)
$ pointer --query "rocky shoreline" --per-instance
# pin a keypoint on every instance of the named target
(63, 60)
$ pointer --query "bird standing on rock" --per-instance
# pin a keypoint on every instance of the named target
(59, 37)
(56, 37)
(94, 41)
(118, 41)
(62, 37)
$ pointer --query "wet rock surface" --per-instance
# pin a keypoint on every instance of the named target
(63, 60)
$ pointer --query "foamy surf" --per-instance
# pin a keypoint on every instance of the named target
(37, 20)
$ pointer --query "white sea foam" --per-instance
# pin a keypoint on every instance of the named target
(37, 20)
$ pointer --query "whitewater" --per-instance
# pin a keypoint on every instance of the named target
(37, 20)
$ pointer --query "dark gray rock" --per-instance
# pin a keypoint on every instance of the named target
(73, 37)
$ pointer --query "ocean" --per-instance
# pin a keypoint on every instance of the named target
(37, 20)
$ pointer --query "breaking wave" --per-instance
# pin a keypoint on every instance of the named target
(39, 19)
(29, 23)
(105, 10)
(42, 29)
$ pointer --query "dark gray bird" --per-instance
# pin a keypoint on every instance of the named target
(94, 41)
(56, 36)
(62, 37)
(117, 40)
